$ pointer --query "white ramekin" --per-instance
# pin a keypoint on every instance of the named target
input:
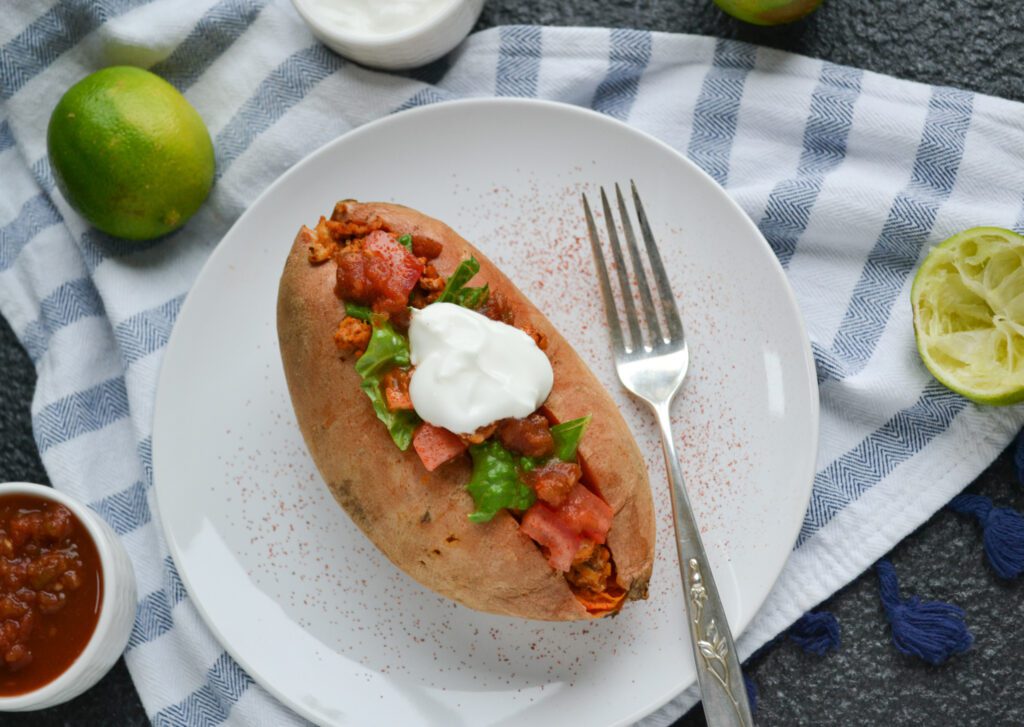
(408, 49)
(117, 610)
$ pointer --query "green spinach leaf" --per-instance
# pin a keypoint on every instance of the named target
(401, 424)
(473, 297)
(455, 290)
(362, 312)
(386, 350)
(567, 436)
(495, 483)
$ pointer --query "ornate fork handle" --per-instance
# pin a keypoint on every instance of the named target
(718, 664)
(652, 365)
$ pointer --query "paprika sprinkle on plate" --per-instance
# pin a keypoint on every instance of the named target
(51, 588)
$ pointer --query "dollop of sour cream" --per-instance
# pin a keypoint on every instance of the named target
(471, 371)
(377, 17)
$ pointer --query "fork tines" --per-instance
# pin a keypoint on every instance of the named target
(656, 333)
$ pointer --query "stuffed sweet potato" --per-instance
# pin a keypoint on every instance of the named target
(542, 515)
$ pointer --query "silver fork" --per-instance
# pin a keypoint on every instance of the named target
(653, 369)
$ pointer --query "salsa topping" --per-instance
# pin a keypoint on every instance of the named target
(50, 591)
(378, 271)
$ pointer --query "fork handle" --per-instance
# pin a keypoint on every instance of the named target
(723, 693)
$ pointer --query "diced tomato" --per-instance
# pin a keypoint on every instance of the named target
(549, 530)
(435, 445)
(586, 513)
(353, 334)
(379, 272)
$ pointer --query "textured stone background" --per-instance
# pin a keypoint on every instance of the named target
(973, 44)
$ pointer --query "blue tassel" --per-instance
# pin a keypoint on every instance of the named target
(751, 693)
(816, 632)
(930, 630)
(1002, 532)
(1018, 457)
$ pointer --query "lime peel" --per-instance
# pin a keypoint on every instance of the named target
(768, 12)
(130, 153)
(968, 303)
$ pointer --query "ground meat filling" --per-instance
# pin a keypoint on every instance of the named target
(480, 435)
(497, 308)
(321, 245)
(349, 229)
(591, 568)
(329, 234)
(431, 281)
(426, 247)
(352, 334)
(530, 437)
(553, 481)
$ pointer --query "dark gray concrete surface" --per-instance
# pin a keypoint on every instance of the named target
(973, 44)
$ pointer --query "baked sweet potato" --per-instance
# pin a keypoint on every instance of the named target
(418, 518)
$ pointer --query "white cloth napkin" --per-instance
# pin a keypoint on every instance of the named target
(852, 176)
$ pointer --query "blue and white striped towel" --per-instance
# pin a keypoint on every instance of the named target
(852, 176)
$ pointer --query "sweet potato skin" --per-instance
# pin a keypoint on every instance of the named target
(418, 518)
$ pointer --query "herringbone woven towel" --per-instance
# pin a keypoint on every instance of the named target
(851, 176)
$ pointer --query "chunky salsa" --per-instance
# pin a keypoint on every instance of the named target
(51, 588)
(529, 466)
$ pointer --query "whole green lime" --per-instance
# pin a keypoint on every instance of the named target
(768, 12)
(129, 153)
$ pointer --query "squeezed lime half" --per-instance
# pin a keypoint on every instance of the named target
(968, 300)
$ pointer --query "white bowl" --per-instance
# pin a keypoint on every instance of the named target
(117, 611)
(409, 48)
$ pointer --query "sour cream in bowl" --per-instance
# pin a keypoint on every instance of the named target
(390, 34)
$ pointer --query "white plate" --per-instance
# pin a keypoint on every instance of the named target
(292, 588)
